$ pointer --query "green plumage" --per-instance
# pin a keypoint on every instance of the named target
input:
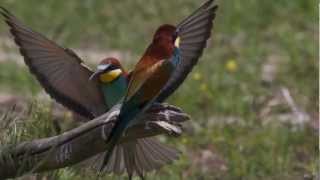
(114, 91)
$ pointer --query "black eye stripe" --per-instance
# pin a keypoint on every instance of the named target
(112, 68)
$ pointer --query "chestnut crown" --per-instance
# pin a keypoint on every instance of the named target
(163, 42)
(108, 70)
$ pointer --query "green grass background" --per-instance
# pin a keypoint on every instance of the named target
(246, 33)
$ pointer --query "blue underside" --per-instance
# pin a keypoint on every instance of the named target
(176, 58)
(113, 92)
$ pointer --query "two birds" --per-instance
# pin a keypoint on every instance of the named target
(162, 68)
(165, 64)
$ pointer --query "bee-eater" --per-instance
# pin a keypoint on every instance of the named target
(65, 78)
(113, 80)
(165, 64)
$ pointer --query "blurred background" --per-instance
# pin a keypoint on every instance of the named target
(253, 96)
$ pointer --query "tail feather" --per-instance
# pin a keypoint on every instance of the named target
(137, 157)
(115, 164)
(111, 150)
(141, 160)
(128, 156)
(160, 153)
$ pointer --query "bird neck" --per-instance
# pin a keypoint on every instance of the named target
(125, 74)
(176, 57)
(158, 51)
(114, 91)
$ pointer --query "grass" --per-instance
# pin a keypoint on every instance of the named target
(247, 34)
(18, 79)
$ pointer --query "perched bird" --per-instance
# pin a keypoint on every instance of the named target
(65, 78)
(171, 55)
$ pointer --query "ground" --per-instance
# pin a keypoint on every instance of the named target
(253, 97)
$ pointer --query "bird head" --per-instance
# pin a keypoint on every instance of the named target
(108, 70)
(164, 41)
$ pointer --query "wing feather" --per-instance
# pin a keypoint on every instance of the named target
(59, 71)
(194, 31)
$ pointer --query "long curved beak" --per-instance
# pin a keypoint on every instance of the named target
(95, 74)
(100, 69)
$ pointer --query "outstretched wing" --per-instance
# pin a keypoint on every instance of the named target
(60, 71)
(192, 35)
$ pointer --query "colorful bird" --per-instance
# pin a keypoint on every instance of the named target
(113, 80)
(163, 67)
(65, 78)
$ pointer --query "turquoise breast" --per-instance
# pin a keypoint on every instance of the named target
(114, 91)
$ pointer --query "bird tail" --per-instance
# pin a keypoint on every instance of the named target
(113, 138)
(137, 157)
(128, 112)
(112, 141)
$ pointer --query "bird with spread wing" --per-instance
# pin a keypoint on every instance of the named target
(66, 78)
(165, 64)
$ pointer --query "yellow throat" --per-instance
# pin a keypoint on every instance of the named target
(110, 75)
(177, 42)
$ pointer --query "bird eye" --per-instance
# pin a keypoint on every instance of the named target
(112, 68)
